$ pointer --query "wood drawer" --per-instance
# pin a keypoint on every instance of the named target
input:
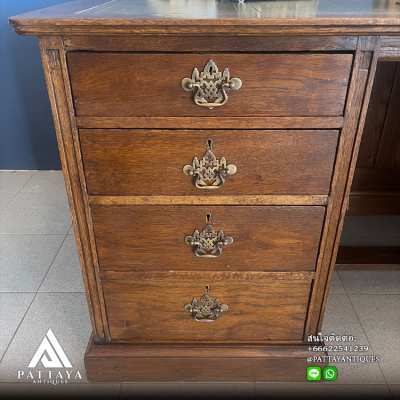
(153, 237)
(262, 307)
(142, 162)
(134, 84)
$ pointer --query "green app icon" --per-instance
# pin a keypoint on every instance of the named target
(330, 374)
(313, 373)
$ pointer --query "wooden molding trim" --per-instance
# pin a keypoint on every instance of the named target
(211, 122)
(327, 26)
(58, 89)
(210, 200)
(355, 113)
(216, 44)
(196, 362)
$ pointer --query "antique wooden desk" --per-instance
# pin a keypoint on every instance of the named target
(208, 149)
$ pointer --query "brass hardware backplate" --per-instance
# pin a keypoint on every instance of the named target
(206, 309)
(210, 86)
(209, 172)
(208, 243)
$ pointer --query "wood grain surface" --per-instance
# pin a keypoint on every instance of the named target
(120, 64)
(196, 43)
(54, 65)
(210, 122)
(131, 84)
(197, 362)
(356, 110)
(213, 17)
(263, 307)
(254, 200)
(152, 237)
(142, 162)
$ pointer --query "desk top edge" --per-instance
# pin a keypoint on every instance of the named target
(85, 15)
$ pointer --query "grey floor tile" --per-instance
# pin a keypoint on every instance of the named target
(341, 319)
(371, 281)
(371, 231)
(25, 260)
(65, 273)
(5, 199)
(336, 286)
(13, 181)
(309, 390)
(204, 390)
(45, 182)
(36, 213)
(81, 391)
(379, 315)
(66, 315)
(12, 309)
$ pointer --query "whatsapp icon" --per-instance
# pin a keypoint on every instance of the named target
(330, 373)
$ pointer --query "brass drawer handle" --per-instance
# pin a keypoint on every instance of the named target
(209, 172)
(210, 85)
(208, 243)
(206, 309)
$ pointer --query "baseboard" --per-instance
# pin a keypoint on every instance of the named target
(129, 362)
(368, 256)
(368, 204)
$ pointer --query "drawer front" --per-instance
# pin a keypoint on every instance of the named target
(138, 162)
(121, 84)
(165, 238)
(247, 306)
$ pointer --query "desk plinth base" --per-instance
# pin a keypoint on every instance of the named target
(184, 362)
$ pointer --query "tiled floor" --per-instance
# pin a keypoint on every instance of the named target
(41, 288)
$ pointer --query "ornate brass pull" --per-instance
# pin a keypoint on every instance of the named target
(209, 172)
(206, 309)
(208, 242)
(210, 85)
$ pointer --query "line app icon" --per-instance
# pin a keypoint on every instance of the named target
(313, 373)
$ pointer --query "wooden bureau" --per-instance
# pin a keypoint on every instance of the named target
(208, 156)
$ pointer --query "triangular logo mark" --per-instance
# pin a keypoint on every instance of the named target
(50, 353)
